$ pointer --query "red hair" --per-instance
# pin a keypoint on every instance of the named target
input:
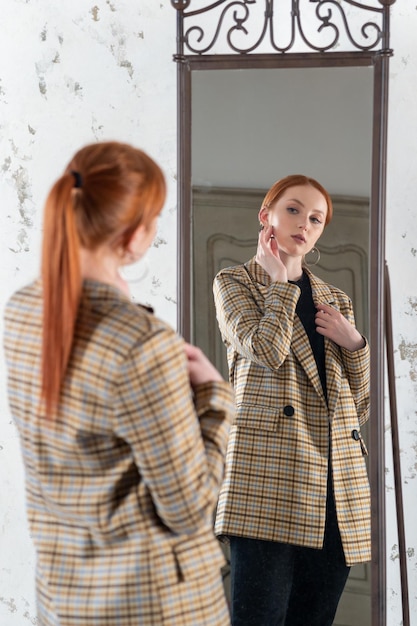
(116, 189)
(295, 180)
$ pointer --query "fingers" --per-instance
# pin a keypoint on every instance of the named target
(200, 368)
(192, 352)
(268, 255)
(327, 314)
(325, 308)
(269, 233)
(267, 242)
(333, 325)
(328, 321)
(266, 233)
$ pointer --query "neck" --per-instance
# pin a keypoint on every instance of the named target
(102, 265)
(293, 264)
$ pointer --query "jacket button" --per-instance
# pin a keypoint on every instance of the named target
(355, 435)
(289, 410)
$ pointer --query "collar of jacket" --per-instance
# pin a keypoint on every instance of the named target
(98, 292)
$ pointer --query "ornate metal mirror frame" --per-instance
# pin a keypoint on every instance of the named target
(360, 32)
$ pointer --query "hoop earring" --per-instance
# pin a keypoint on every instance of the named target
(316, 251)
(136, 272)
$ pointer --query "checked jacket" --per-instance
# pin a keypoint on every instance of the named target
(277, 458)
(121, 487)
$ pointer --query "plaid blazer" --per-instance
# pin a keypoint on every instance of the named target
(121, 488)
(277, 457)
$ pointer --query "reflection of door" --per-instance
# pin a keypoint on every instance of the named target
(225, 226)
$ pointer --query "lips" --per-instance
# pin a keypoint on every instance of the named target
(299, 238)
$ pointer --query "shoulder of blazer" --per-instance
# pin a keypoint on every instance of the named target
(248, 276)
(249, 272)
(117, 322)
(257, 273)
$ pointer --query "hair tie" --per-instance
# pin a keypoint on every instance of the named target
(78, 179)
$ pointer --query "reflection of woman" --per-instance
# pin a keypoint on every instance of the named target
(295, 498)
(123, 457)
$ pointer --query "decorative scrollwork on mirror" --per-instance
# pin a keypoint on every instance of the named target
(259, 34)
(314, 25)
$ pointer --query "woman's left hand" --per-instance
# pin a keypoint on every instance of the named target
(200, 368)
(332, 324)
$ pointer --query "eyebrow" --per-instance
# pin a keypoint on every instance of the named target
(301, 204)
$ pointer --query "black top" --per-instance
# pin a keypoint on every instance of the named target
(306, 311)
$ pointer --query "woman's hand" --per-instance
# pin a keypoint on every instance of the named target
(267, 255)
(200, 369)
(335, 326)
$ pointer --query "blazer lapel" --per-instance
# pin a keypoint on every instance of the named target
(322, 294)
(257, 273)
(302, 351)
(259, 277)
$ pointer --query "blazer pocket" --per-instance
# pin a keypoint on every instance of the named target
(257, 417)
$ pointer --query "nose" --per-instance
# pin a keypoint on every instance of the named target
(303, 224)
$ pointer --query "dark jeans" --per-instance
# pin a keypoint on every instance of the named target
(277, 584)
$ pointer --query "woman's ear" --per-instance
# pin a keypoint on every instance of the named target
(263, 216)
(136, 247)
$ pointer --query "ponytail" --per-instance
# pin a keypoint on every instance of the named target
(61, 283)
(108, 190)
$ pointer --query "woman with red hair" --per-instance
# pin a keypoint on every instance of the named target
(295, 499)
(123, 425)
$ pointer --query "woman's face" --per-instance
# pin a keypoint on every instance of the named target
(298, 218)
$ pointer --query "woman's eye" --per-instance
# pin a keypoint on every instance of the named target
(316, 220)
(291, 209)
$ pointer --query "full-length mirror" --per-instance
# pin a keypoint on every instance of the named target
(250, 128)
(246, 120)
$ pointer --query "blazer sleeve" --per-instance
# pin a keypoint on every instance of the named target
(256, 322)
(211, 401)
(179, 457)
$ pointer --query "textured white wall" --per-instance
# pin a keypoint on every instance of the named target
(401, 248)
(73, 72)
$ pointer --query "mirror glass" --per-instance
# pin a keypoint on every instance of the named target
(250, 127)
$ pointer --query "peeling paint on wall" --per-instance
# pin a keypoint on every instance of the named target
(9, 603)
(408, 352)
(413, 305)
(12, 607)
(159, 242)
(94, 12)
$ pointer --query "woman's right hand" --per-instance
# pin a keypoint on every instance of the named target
(267, 255)
(200, 368)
